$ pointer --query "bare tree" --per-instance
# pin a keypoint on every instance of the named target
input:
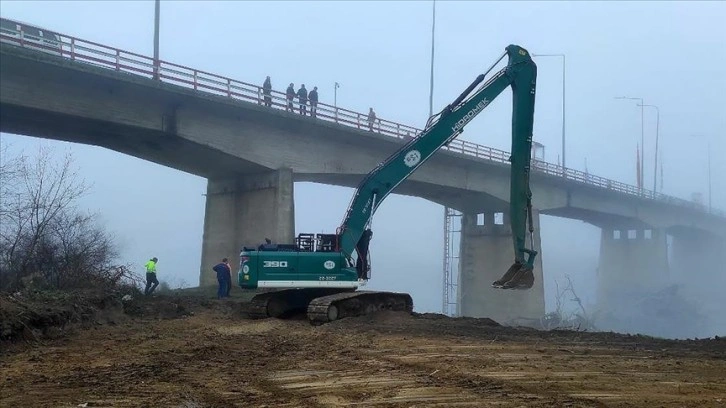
(42, 190)
(559, 319)
(9, 175)
(42, 234)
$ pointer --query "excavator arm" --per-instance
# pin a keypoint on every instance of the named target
(520, 73)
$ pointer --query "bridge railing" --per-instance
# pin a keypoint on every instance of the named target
(93, 53)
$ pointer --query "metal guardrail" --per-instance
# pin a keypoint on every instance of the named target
(124, 61)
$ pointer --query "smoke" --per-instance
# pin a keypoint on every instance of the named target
(687, 303)
(682, 299)
(664, 312)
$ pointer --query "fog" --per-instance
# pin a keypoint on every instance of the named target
(671, 54)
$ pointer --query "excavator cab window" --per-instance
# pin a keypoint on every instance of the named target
(316, 242)
(327, 242)
(305, 242)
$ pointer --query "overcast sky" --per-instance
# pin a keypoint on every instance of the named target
(672, 54)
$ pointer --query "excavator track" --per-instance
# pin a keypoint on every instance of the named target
(340, 305)
(281, 303)
(258, 305)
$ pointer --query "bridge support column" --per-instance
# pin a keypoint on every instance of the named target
(631, 261)
(486, 252)
(244, 211)
(697, 257)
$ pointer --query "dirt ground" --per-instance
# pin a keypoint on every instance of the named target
(175, 351)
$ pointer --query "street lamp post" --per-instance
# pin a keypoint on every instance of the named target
(657, 127)
(642, 136)
(431, 87)
(156, 40)
(708, 170)
(564, 163)
(335, 100)
(709, 176)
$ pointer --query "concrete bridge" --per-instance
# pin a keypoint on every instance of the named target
(251, 154)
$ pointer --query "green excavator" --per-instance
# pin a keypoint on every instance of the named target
(322, 273)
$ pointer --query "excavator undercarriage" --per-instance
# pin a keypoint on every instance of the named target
(326, 305)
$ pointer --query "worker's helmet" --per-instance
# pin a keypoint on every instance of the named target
(154, 259)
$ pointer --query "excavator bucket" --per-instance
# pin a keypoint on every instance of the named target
(519, 276)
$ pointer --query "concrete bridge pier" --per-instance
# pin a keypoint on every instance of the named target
(486, 252)
(697, 256)
(631, 261)
(244, 211)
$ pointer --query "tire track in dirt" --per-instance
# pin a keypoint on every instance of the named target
(454, 366)
(367, 375)
(334, 372)
(557, 376)
(440, 364)
(157, 363)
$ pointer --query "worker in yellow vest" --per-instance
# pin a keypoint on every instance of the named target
(151, 276)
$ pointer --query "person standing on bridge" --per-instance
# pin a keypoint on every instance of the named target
(290, 94)
(371, 119)
(313, 101)
(302, 96)
(267, 90)
(224, 277)
(151, 276)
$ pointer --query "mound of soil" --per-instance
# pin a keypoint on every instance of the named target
(40, 314)
(36, 315)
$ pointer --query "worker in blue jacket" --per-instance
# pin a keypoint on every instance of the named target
(224, 277)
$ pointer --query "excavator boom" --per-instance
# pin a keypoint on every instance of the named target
(321, 272)
(520, 73)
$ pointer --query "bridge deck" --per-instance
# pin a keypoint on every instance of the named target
(111, 58)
